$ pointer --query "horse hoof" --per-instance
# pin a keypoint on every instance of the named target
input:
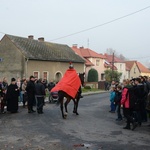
(65, 115)
(77, 114)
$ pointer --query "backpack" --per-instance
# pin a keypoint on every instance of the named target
(134, 104)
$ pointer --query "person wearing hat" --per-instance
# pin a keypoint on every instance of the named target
(31, 94)
(12, 96)
(71, 66)
(80, 89)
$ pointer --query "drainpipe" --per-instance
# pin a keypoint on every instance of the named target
(85, 73)
(26, 65)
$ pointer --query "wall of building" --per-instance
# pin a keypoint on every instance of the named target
(51, 67)
(12, 60)
(145, 74)
(121, 67)
(134, 72)
(127, 74)
(99, 67)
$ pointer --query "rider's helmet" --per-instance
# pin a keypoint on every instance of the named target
(71, 65)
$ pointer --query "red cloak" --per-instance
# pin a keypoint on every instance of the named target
(70, 83)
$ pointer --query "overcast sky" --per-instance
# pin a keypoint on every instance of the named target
(53, 19)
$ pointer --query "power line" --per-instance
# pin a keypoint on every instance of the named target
(140, 57)
(102, 24)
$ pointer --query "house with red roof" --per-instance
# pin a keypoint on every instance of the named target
(93, 60)
(137, 69)
(118, 65)
(133, 69)
(143, 70)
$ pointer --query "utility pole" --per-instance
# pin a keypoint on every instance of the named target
(112, 67)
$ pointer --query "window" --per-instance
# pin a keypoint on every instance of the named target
(134, 70)
(120, 66)
(58, 76)
(45, 75)
(102, 76)
(97, 62)
(36, 74)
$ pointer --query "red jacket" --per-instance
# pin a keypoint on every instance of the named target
(125, 98)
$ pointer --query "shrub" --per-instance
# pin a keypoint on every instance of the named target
(92, 75)
(87, 87)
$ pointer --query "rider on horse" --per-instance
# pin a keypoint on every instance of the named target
(70, 87)
(70, 83)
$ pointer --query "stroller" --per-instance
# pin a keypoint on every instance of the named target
(53, 97)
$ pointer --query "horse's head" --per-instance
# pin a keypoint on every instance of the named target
(82, 76)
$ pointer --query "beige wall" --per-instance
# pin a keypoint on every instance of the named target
(127, 74)
(12, 64)
(121, 67)
(145, 74)
(100, 68)
(51, 67)
(134, 72)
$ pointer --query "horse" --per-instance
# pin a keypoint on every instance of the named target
(62, 95)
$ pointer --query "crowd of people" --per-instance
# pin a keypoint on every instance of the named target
(131, 100)
(30, 92)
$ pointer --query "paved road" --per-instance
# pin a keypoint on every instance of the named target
(94, 128)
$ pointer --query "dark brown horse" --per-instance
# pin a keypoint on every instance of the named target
(62, 95)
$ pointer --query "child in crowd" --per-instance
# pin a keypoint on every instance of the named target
(118, 97)
(112, 98)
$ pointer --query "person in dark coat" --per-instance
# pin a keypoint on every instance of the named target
(140, 97)
(39, 95)
(12, 96)
(31, 94)
(118, 97)
(51, 84)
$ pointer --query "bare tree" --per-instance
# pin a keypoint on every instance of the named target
(122, 57)
(110, 51)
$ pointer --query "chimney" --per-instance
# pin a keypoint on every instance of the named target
(75, 45)
(41, 39)
(81, 47)
(31, 37)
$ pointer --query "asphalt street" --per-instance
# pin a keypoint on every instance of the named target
(94, 129)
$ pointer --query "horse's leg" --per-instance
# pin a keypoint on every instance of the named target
(62, 109)
(66, 104)
(74, 107)
(60, 99)
(77, 102)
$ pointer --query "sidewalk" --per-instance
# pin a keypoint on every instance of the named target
(96, 92)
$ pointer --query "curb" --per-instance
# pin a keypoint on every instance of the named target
(92, 93)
